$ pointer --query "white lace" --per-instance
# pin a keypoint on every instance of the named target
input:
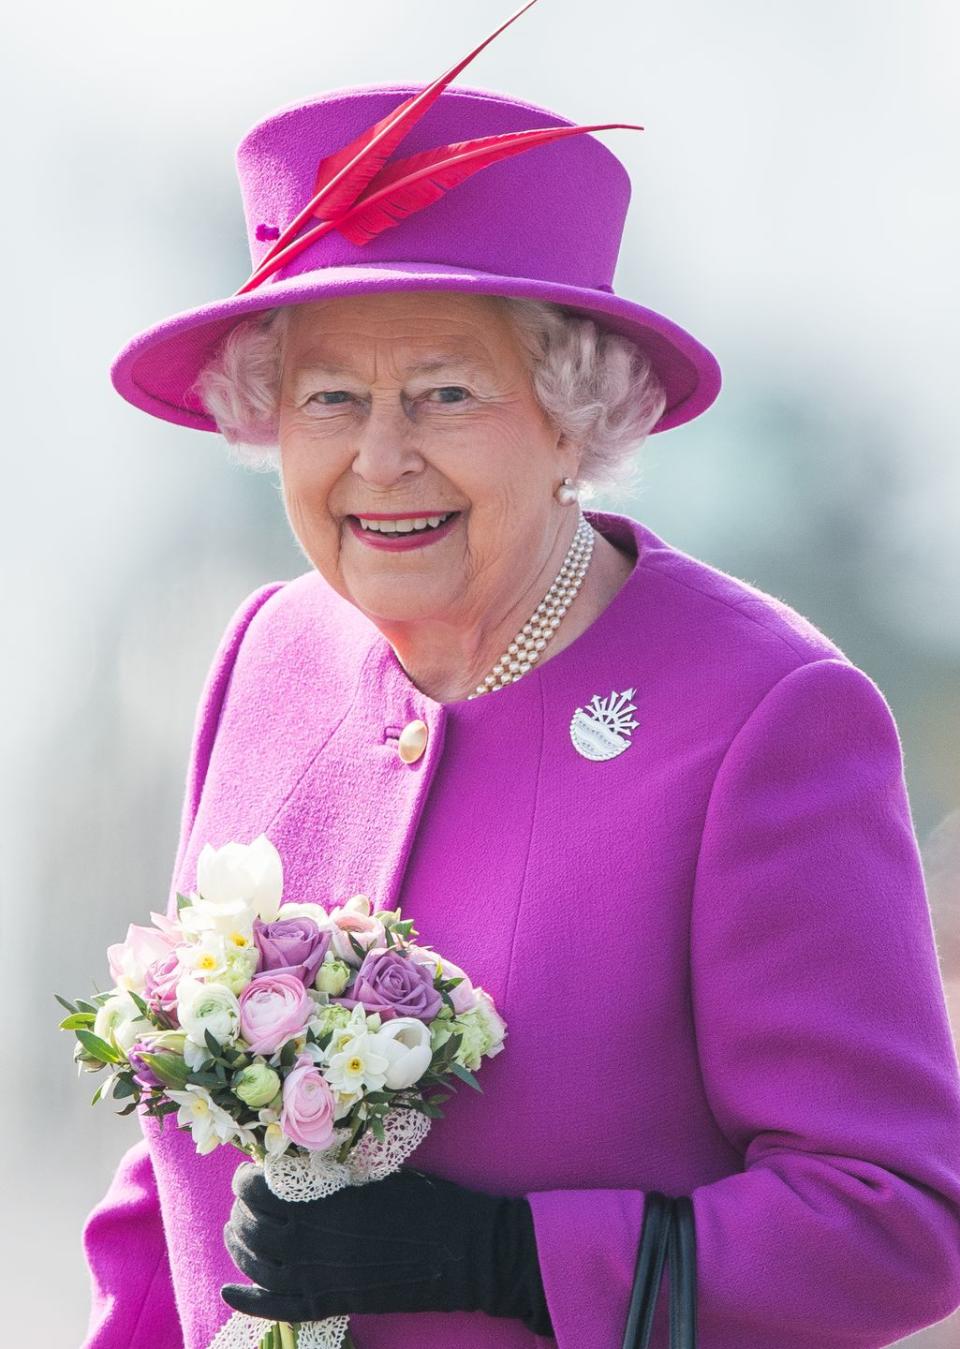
(315, 1175)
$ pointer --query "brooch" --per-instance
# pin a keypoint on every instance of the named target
(602, 729)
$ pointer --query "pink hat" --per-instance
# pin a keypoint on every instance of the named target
(331, 211)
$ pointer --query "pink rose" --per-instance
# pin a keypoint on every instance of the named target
(160, 984)
(129, 959)
(308, 1106)
(273, 1007)
(366, 930)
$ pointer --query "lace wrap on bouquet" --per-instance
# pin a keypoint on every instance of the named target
(314, 1176)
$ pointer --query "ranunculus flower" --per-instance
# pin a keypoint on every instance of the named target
(130, 959)
(120, 1019)
(393, 985)
(256, 1085)
(235, 883)
(333, 975)
(273, 1007)
(464, 996)
(483, 1030)
(406, 1042)
(160, 984)
(355, 918)
(205, 1007)
(291, 946)
(308, 1106)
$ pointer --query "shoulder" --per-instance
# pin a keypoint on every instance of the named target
(720, 647)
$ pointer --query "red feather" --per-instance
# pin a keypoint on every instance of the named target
(406, 186)
(410, 184)
(343, 175)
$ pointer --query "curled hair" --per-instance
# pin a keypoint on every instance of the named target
(598, 388)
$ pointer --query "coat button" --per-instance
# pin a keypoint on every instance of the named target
(412, 741)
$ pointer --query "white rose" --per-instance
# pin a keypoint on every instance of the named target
(119, 1021)
(464, 996)
(206, 1007)
(406, 1043)
(235, 883)
(316, 912)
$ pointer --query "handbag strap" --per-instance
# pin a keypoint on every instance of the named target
(667, 1232)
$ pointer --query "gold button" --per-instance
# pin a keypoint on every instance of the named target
(412, 741)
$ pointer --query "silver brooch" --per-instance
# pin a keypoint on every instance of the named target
(601, 730)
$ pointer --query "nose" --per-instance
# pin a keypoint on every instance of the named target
(386, 446)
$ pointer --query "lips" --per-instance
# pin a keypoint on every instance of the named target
(399, 533)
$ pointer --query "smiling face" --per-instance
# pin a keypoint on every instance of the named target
(417, 409)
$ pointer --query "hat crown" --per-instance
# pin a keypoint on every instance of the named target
(554, 213)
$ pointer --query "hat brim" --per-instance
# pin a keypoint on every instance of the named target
(157, 368)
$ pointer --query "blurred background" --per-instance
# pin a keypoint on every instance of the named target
(793, 206)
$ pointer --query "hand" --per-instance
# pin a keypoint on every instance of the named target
(410, 1242)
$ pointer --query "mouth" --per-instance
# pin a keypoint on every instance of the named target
(402, 524)
(398, 532)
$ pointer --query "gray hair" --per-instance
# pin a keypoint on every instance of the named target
(596, 387)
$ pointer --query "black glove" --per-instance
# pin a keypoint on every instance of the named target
(411, 1242)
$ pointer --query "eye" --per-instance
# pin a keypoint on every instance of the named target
(454, 389)
(329, 393)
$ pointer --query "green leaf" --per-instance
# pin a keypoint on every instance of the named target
(98, 1093)
(288, 1053)
(377, 1129)
(465, 1075)
(183, 902)
(77, 1019)
(128, 1109)
(142, 1007)
(63, 1003)
(213, 1044)
(357, 948)
(97, 1047)
(84, 1006)
(125, 1086)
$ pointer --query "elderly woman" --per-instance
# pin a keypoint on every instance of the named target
(656, 813)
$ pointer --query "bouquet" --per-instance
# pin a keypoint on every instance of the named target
(320, 1044)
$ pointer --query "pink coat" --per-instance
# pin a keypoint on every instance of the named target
(713, 952)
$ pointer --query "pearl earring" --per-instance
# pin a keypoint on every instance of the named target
(567, 493)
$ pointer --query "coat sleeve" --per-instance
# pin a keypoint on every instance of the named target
(825, 1052)
(132, 1296)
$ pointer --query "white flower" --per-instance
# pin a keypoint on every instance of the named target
(316, 912)
(483, 1030)
(119, 1021)
(209, 1124)
(235, 884)
(205, 1007)
(360, 1063)
(406, 1043)
(206, 957)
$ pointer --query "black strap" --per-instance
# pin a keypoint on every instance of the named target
(668, 1230)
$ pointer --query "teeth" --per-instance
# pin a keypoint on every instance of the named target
(405, 526)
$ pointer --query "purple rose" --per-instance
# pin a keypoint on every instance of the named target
(291, 946)
(160, 984)
(393, 985)
(142, 1073)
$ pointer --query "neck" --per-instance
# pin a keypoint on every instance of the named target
(447, 661)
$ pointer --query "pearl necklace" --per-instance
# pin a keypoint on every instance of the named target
(530, 642)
